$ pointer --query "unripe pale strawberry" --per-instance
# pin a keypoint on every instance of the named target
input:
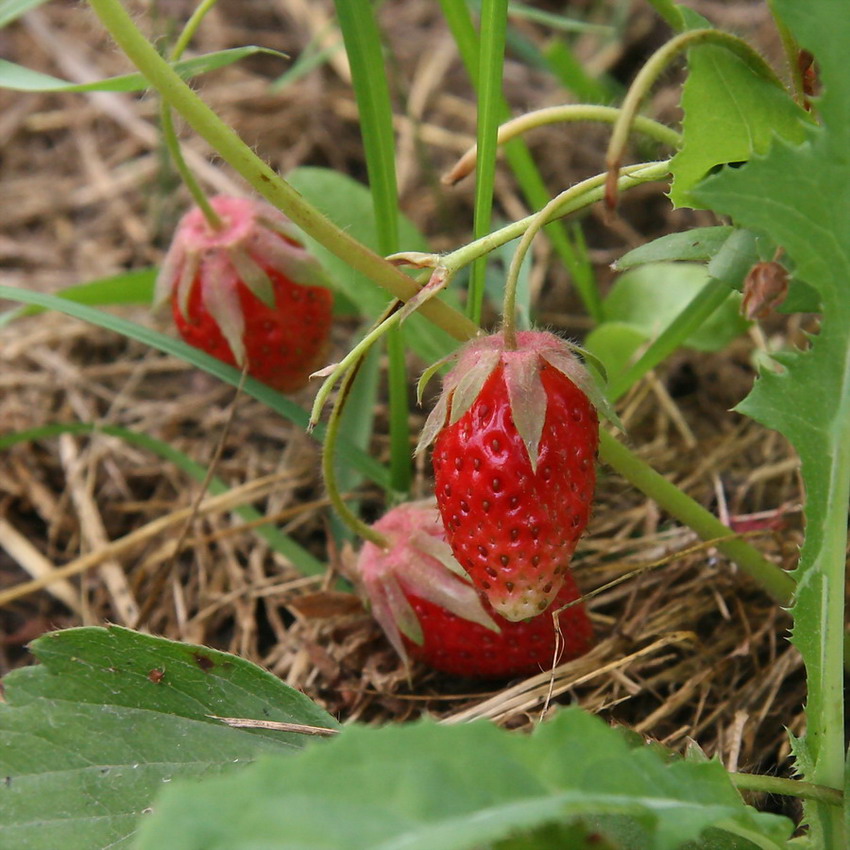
(430, 611)
(248, 291)
(515, 435)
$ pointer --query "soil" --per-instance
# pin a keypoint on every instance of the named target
(690, 649)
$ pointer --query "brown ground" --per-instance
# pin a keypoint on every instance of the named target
(689, 648)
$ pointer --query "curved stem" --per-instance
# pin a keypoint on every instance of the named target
(169, 134)
(556, 207)
(577, 197)
(191, 27)
(389, 319)
(650, 72)
(572, 112)
(329, 472)
(172, 144)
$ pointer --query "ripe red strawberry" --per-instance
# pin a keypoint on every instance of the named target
(248, 291)
(430, 612)
(515, 436)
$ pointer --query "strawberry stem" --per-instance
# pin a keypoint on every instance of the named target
(329, 471)
(580, 195)
(668, 496)
(169, 135)
(575, 198)
(571, 112)
(650, 72)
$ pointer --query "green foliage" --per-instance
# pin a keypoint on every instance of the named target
(11, 10)
(17, 77)
(88, 737)
(731, 113)
(654, 302)
(800, 197)
(427, 786)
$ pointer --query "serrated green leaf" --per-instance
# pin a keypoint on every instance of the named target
(746, 113)
(19, 78)
(800, 197)
(425, 786)
(89, 736)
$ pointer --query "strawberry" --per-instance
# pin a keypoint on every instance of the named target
(515, 436)
(248, 291)
(430, 611)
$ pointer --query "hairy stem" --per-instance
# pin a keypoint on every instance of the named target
(571, 112)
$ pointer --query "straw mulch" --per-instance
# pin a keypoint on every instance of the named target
(689, 648)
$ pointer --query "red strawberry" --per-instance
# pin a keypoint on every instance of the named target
(248, 291)
(515, 436)
(430, 612)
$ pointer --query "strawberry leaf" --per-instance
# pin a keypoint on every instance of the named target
(425, 786)
(747, 112)
(800, 197)
(90, 735)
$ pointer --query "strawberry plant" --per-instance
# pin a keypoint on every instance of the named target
(117, 738)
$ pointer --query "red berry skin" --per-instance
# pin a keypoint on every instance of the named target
(463, 648)
(514, 528)
(283, 345)
(248, 292)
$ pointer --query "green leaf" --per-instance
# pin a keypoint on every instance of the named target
(349, 205)
(133, 287)
(650, 296)
(11, 10)
(88, 737)
(18, 78)
(731, 113)
(699, 244)
(425, 786)
(800, 197)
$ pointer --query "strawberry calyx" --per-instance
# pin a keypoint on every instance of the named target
(476, 361)
(418, 562)
(254, 241)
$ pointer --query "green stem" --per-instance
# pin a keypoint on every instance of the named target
(650, 72)
(401, 473)
(577, 197)
(172, 144)
(329, 470)
(787, 788)
(668, 496)
(572, 112)
(224, 140)
(191, 27)
(493, 28)
(169, 134)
